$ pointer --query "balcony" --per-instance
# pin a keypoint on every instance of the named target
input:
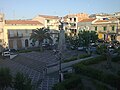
(15, 35)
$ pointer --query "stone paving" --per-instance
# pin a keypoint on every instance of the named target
(34, 65)
(36, 76)
(47, 56)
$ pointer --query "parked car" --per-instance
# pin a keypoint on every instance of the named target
(80, 48)
(8, 52)
(47, 46)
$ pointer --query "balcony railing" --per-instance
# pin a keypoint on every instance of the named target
(15, 35)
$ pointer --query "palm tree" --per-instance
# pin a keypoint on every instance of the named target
(39, 35)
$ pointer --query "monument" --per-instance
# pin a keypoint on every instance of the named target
(61, 48)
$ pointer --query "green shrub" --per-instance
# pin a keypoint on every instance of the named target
(73, 83)
(93, 60)
(101, 86)
(59, 86)
(5, 78)
(24, 51)
(80, 68)
(118, 73)
(79, 57)
(84, 56)
(70, 59)
(96, 74)
(116, 59)
(69, 75)
(22, 82)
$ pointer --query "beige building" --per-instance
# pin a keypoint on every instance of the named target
(17, 33)
(86, 24)
(71, 21)
(50, 22)
(1, 30)
(106, 27)
(117, 15)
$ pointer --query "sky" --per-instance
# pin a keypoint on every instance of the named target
(27, 9)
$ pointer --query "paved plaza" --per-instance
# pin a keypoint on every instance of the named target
(34, 69)
(33, 64)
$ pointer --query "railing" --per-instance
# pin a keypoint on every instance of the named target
(15, 35)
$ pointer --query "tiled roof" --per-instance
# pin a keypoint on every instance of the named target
(102, 21)
(49, 17)
(22, 22)
(112, 19)
(87, 20)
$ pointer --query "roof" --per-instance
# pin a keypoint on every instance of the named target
(102, 21)
(22, 22)
(87, 20)
(49, 17)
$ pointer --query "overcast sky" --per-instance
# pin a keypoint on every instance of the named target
(27, 9)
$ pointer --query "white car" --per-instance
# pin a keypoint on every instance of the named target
(80, 48)
(8, 52)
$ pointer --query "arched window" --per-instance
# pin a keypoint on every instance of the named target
(26, 43)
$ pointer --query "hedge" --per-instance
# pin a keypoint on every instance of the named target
(116, 59)
(73, 83)
(75, 58)
(93, 60)
(98, 75)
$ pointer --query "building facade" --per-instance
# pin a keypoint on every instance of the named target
(106, 27)
(1, 31)
(50, 22)
(17, 33)
(71, 21)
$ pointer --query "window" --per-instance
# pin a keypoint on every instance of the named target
(113, 28)
(105, 19)
(74, 19)
(70, 19)
(74, 24)
(104, 28)
(26, 43)
(48, 21)
(1, 19)
(96, 28)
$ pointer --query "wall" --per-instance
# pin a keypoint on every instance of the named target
(20, 27)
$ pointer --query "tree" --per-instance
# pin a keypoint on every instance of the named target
(39, 35)
(86, 37)
(104, 51)
(5, 78)
(72, 41)
(22, 82)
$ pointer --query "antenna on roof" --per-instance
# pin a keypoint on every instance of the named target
(23, 17)
(13, 14)
(69, 11)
